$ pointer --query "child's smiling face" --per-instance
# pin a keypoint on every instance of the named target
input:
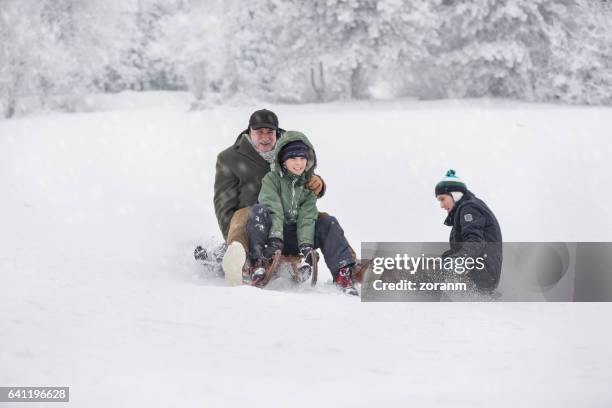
(296, 165)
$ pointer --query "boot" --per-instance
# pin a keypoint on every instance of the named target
(304, 270)
(257, 272)
(344, 282)
(200, 254)
(213, 255)
(233, 263)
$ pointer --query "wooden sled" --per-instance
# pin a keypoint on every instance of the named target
(278, 261)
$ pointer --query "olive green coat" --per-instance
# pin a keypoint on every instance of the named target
(286, 197)
(238, 176)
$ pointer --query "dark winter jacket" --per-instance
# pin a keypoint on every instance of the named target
(286, 197)
(238, 176)
(475, 233)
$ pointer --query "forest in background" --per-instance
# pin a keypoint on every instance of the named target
(55, 52)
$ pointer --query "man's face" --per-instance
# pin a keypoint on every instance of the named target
(263, 139)
(296, 165)
(446, 202)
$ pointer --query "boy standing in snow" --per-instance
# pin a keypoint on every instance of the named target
(475, 230)
(286, 217)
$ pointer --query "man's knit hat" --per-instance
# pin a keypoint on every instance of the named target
(450, 183)
(294, 149)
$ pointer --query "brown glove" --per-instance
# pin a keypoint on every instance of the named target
(315, 184)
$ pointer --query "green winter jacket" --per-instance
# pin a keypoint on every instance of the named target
(286, 197)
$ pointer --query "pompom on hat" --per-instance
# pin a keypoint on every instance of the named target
(450, 183)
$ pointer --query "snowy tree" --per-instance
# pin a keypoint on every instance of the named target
(82, 36)
(54, 52)
(28, 51)
(255, 48)
(580, 70)
(486, 47)
(335, 48)
(515, 48)
(12, 62)
(195, 40)
(141, 68)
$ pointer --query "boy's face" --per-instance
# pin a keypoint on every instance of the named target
(446, 202)
(296, 165)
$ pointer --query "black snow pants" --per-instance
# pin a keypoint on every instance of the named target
(329, 238)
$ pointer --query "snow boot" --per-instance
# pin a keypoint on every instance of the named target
(219, 252)
(258, 273)
(304, 269)
(233, 263)
(207, 256)
(344, 282)
(261, 271)
(200, 254)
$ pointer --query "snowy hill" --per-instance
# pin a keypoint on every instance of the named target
(99, 292)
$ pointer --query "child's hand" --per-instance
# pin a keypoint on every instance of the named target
(305, 249)
(315, 184)
(272, 246)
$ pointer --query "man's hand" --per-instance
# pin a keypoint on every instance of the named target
(272, 246)
(315, 184)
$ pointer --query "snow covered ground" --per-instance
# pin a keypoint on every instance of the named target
(98, 290)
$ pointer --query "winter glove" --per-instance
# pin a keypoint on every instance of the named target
(272, 246)
(305, 250)
(316, 185)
